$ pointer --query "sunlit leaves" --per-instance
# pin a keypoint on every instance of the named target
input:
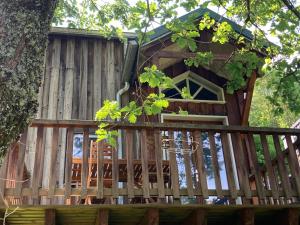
(155, 78)
(222, 33)
(201, 58)
(132, 111)
(240, 67)
(185, 93)
(206, 22)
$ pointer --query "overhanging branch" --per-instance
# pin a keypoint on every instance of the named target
(292, 8)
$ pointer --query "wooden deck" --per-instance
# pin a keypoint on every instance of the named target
(170, 163)
(153, 214)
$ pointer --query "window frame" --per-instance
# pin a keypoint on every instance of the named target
(203, 83)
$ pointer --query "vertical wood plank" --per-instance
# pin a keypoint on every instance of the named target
(69, 157)
(115, 172)
(46, 81)
(256, 168)
(270, 169)
(228, 165)
(85, 163)
(90, 79)
(215, 163)
(83, 80)
(100, 165)
(3, 173)
(129, 155)
(102, 217)
(110, 76)
(97, 98)
(173, 167)
(187, 164)
(52, 109)
(201, 165)
(53, 167)
(144, 159)
(240, 163)
(289, 217)
(21, 163)
(158, 161)
(282, 168)
(293, 162)
(197, 217)
(67, 107)
(38, 163)
(50, 217)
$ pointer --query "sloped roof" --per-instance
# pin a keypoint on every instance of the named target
(162, 31)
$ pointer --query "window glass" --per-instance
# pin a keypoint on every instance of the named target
(205, 94)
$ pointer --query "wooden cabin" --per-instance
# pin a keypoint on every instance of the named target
(197, 168)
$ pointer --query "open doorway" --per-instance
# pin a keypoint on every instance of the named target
(184, 142)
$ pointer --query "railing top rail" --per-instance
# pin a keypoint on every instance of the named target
(164, 126)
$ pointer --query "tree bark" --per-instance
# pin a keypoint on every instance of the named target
(24, 27)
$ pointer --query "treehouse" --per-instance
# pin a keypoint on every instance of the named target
(206, 166)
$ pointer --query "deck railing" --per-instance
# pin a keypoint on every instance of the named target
(172, 163)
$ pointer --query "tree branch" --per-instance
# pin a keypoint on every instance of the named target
(291, 7)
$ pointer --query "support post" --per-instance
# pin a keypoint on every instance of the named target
(246, 217)
(102, 217)
(151, 217)
(290, 217)
(50, 217)
(197, 217)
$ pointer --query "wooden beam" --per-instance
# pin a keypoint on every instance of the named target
(171, 126)
(290, 217)
(50, 217)
(151, 217)
(185, 55)
(102, 217)
(246, 217)
(197, 217)
(248, 100)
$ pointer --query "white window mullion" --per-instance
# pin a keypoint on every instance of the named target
(197, 92)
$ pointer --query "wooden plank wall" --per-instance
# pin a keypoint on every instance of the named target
(80, 72)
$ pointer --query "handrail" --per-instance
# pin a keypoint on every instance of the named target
(171, 126)
(154, 163)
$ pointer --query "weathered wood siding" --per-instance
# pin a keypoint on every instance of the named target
(80, 72)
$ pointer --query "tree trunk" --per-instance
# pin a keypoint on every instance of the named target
(24, 27)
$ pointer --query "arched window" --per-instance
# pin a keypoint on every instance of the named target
(198, 89)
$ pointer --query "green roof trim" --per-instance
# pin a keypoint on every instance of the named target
(198, 13)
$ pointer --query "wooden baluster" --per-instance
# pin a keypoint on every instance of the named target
(85, 163)
(201, 165)
(293, 162)
(256, 168)
(129, 155)
(215, 163)
(270, 170)
(173, 166)
(100, 165)
(158, 160)
(282, 168)
(38, 164)
(68, 167)
(115, 173)
(53, 166)
(187, 164)
(145, 169)
(228, 165)
(241, 165)
(21, 164)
